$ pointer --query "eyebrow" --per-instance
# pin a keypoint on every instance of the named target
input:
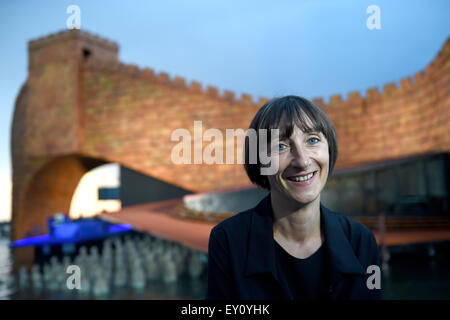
(283, 135)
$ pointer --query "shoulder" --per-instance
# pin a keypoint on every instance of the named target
(233, 226)
(359, 235)
(351, 227)
(230, 237)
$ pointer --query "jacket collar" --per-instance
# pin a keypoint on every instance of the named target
(261, 249)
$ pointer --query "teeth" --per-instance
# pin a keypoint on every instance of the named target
(302, 178)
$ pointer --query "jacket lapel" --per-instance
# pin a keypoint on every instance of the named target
(340, 254)
(261, 249)
(340, 258)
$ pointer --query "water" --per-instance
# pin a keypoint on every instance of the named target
(182, 289)
(5, 270)
(413, 272)
(185, 287)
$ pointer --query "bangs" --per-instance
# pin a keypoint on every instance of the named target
(294, 114)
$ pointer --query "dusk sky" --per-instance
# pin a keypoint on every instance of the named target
(313, 48)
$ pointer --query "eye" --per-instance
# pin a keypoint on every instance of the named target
(313, 140)
(282, 147)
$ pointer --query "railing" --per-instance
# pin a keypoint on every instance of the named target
(395, 223)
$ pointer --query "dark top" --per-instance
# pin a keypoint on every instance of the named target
(242, 257)
(303, 278)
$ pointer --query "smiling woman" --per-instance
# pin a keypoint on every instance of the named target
(290, 246)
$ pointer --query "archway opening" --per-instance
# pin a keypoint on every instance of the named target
(97, 192)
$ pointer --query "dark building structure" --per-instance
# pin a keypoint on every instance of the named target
(137, 188)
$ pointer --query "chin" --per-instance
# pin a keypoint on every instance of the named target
(303, 199)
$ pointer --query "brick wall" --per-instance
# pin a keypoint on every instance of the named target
(84, 111)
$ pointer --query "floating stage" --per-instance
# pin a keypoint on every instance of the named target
(189, 220)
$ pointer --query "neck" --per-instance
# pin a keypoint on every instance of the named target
(296, 222)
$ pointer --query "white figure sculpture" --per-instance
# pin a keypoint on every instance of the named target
(138, 278)
(169, 271)
(120, 278)
(101, 287)
(195, 265)
(151, 268)
(85, 286)
(23, 277)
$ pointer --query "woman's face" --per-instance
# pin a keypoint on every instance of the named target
(303, 166)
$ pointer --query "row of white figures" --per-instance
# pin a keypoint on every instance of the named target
(130, 261)
(53, 275)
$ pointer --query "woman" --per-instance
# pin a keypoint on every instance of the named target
(290, 246)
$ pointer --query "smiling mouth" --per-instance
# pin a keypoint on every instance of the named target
(305, 177)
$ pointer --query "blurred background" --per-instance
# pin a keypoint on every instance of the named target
(87, 117)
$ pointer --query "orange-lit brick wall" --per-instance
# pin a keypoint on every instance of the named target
(81, 107)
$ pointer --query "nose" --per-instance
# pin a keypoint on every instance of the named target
(300, 156)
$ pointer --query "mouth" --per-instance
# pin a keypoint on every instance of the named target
(303, 178)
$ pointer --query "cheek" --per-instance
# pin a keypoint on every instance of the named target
(323, 156)
(326, 160)
(276, 180)
(283, 162)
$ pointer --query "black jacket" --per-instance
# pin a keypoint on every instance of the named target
(241, 257)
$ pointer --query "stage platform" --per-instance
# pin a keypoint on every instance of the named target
(158, 219)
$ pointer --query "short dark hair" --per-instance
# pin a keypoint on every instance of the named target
(297, 111)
